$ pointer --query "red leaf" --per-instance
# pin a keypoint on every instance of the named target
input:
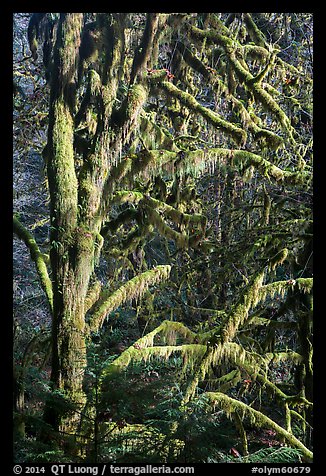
(235, 453)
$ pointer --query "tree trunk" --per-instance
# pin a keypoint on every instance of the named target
(69, 283)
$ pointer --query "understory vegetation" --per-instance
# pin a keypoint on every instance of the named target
(162, 225)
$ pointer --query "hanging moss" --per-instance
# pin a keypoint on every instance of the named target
(196, 162)
(235, 354)
(278, 259)
(254, 32)
(282, 287)
(250, 121)
(125, 196)
(181, 239)
(256, 418)
(137, 96)
(228, 381)
(236, 133)
(152, 132)
(133, 289)
(304, 284)
(246, 77)
(241, 310)
(144, 349)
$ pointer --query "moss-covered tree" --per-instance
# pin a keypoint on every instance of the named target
(177, 147)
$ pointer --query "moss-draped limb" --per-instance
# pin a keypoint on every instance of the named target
(229, 327)
(256, 321)
(281, 287)
(245, 76)
(144, 51)
(181, 239)
(230, 405)
(228, 380)
(242, 432)
(127, 215)
(144, 347)
(254, 32)
(273, 357)
(220, 340)
(147, 211)
(172, 213)
(92, 295)
(240, 312)
(262, 53)
(133, 289)
(135, 353)
(245, 159)
(236, 133)
(38, 258)
(196, 162)
(249, 120)
(151, 132)
(256, 366)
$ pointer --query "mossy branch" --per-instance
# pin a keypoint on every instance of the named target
(248, 119)
(229, 45)
(38, 258)
(181, 239)
(135, 353)
(92, 295)
(133, 289)
(281, 287)
(144, 347)
(199, 161)
(254, 32)
(236, 133)
(238, 316)
(230, 405)
(221, 345)
(143, 52)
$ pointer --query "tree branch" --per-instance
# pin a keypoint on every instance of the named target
(36, 255)
(133, 289)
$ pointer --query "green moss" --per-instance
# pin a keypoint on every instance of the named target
(256, 418)
(144, 349)
(246, 77)
(228, 381)
(283, 356)
(125, 196)
(92, 295)
(38, 258)
(133, 289)
(254, 32)
(305, 284)
(241, 310)
(236, 133)
(278, 259)
(181, 239)
(137, 95)
(282, 287)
